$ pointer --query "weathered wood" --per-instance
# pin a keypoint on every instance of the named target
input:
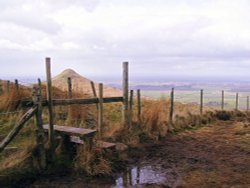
(171, 109)
(50, 106)
(17, 128)
(247, 103)
(72, 131)
(61, 102)
(69, 88)
(138, 105)
(100, 110)
(16, 85)
(99, 143)
(105, 145)
(201, 102)
(94, 91)
(1, 88)
(222, 100)
(8, 86)
(40, 137)
(237, 101)
(131, 107)
(86, 101)
(125, 114)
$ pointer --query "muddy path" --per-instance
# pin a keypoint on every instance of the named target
(213, 156)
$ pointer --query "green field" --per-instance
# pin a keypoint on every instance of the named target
(212, 97)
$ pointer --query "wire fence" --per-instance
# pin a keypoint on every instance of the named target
(211, 98)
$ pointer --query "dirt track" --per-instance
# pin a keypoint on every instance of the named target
(212, 156)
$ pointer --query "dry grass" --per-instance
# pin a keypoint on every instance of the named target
(93, 163)
(152, 126)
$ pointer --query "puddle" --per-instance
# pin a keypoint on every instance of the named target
(146, 175)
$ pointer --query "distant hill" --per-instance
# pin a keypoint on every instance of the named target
(81, 84)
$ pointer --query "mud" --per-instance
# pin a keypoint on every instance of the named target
(211, 156)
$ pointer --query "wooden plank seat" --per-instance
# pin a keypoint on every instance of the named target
(72, 131)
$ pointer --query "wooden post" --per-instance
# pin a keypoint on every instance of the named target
(94, 91)
(131, 107)
(201, 102)
(39, 86)
(171, 110)
(100, 110)
(8, 86)
(40, 136)
(125, 114)
(1, 88)
(138, 105)
(50, 107)
(237, 101)
(222, 100)
(69, 82)
(16, 85)
(247, 103)
(69, 88)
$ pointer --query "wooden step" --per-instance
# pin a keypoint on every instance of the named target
(72, 131)
(105, 145)
(99, 143)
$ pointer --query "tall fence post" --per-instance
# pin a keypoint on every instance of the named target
(237, 101)
(8, 86)
(40, 136)
(16, 85)
(171, 110)
(100, 110)
(1, 88)
(131, 107)
(201, 102)
(247, 103)
(222, 100)
(125, 113)
(94, 91)
(50, 107)
(138, 105)
(69, 81)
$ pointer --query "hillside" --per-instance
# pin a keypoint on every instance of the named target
(81, 84)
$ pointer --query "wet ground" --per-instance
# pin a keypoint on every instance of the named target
(212, 156)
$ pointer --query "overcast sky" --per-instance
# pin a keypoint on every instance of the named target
(157, 37)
